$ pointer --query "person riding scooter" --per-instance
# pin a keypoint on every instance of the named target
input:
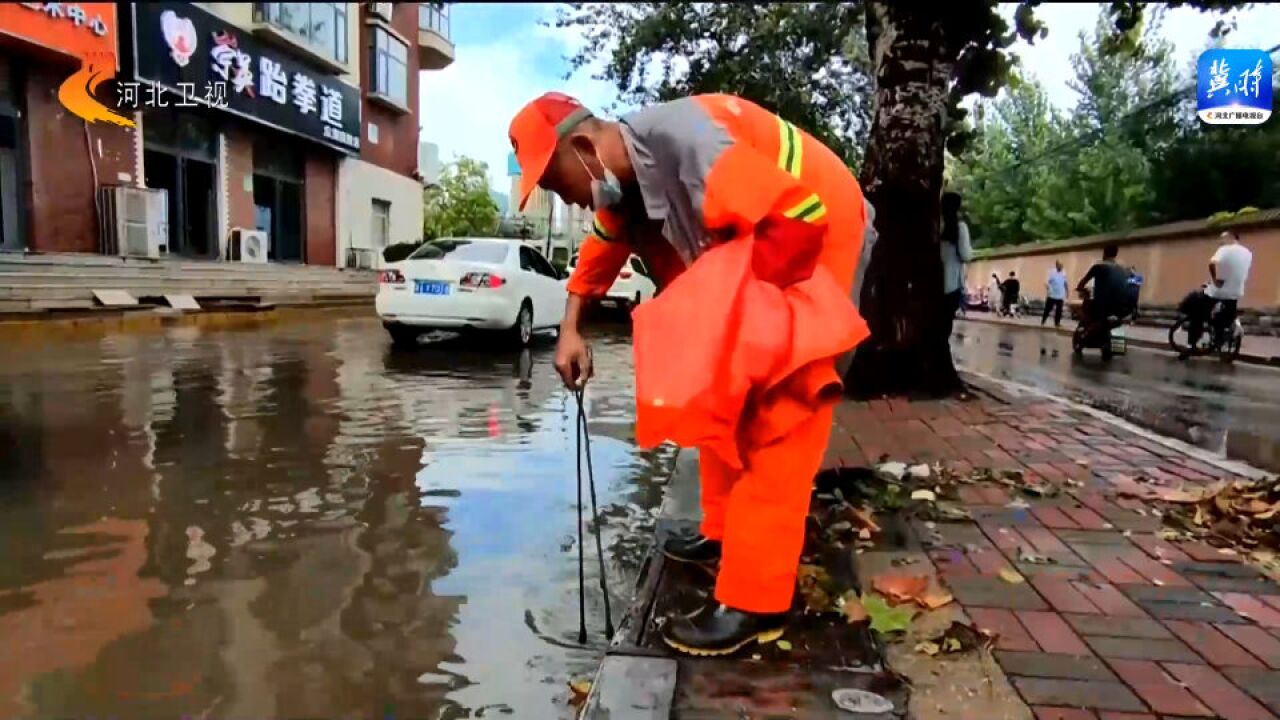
(1111, 300)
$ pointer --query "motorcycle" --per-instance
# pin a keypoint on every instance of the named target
(1097, 332)
(1214, 339)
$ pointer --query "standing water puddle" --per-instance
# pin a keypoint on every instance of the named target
(298, 521)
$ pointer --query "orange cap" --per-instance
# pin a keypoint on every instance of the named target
(536, 129)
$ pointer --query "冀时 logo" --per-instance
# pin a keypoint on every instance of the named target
(76, 92)
(1233, 87)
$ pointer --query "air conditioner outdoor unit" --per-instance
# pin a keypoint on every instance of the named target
(133, 222)
(382, 10)
(250, 246)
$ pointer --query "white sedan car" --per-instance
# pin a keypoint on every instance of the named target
(491, 284)
(633, 286)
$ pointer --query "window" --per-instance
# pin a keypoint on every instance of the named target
(467, 250)
(390, 66)
(322, 26)
(533, 261)
(638, 266)
(434, 16)
(381, 223)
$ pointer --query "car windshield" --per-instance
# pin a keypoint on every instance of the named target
(483, 251)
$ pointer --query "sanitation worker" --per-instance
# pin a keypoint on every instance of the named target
(753, 230)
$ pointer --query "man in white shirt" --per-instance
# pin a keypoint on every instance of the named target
(1229, 268)
(1055, 295)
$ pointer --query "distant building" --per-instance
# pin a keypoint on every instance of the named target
(540, 206)
(429, 162)
(501, 200)
(285, 132)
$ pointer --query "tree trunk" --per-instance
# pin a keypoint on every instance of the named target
(902, 177)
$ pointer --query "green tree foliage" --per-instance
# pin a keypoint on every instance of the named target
(800, 60)
(1131, 152)
(460, 205)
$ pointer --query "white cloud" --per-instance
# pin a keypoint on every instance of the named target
(467, 107)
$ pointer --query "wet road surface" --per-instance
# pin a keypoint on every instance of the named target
(1232, 410)
(298, 521)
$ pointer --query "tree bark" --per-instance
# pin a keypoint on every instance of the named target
(902, 296)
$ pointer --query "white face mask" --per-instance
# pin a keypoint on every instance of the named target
(606, 193)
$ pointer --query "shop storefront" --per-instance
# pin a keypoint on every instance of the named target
(51, 162)
(242, 133)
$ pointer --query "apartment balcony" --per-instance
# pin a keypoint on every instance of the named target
(435, 49)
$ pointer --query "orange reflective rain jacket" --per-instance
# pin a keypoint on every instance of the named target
(763, 228)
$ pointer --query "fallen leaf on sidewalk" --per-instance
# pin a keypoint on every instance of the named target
(579, 690)
(926, 495)
(784, 645)
(851, 607)
(886, 619)
(934, 599)
(957, 638)
(815, 587)
(1011, 577)
(901, 588)
(1178, 495)
(864, 519)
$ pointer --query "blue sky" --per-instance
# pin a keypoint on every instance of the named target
(504, 58)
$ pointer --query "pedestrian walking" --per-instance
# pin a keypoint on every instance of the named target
(993, 294)
(1055, 294)
(754, 230)
(1010, 290)
(956, 251)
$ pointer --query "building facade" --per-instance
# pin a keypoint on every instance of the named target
(50, 161)
(297, 120)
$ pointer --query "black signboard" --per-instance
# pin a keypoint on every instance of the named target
(185, 56)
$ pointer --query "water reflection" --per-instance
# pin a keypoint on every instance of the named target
(300, 522)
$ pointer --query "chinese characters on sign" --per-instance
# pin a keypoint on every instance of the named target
(259, 82)
(1225, 115)
(232, 64)
(72, 13)
(155, 95)
(1233, 87)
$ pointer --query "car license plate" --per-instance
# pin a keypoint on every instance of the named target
(430, 287)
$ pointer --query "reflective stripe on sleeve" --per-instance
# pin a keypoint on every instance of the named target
(810, 209)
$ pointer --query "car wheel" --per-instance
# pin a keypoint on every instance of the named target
(403, 336)
(521, 332)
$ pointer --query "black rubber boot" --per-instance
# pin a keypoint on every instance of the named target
(693, 549)
(720, 630)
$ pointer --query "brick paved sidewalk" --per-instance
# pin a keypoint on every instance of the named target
(1125, 625)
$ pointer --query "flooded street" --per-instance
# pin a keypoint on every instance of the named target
(1232, 410)
(297, 521)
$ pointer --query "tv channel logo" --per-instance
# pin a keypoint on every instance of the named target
(1233, 87)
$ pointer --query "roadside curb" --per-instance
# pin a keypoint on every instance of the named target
(102, 322)
(1244, 357)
